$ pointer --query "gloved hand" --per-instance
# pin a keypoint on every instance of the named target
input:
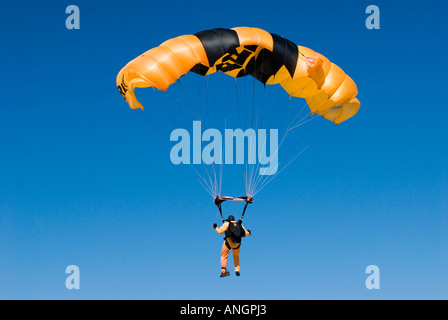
(250, 232)
(214, 226)
(240, 221)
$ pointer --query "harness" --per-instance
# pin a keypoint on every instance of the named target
(229, 247)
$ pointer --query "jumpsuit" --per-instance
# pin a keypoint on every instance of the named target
(230, 245)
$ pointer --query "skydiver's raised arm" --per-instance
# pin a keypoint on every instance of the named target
(222, 228)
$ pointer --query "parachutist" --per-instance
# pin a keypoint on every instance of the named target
(234, 231)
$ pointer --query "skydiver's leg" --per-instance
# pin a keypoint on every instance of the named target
(236, 258)
(224, 256)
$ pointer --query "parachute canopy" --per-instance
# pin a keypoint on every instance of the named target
(242, 51)
(290, 86)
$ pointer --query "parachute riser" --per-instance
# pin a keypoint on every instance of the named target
(218, 200)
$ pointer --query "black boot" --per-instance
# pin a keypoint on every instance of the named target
(224, 273)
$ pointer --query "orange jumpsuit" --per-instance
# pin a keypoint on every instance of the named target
(234, 246)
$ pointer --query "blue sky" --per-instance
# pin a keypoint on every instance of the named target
(85, 180)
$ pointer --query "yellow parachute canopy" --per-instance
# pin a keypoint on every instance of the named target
(243, 51)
